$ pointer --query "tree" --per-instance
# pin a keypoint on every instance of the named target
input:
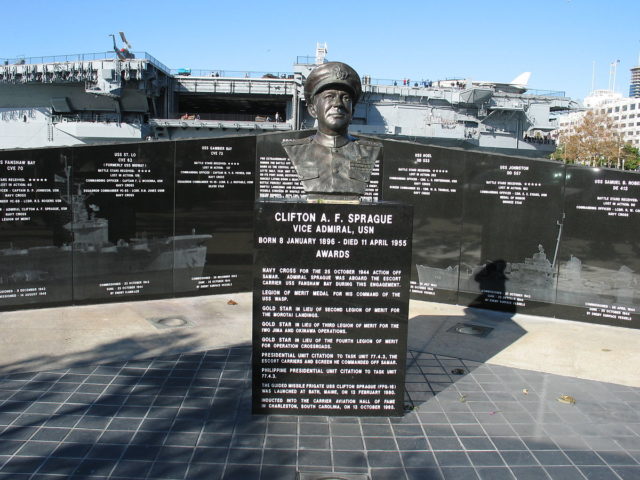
(596, 142)
(630, 157)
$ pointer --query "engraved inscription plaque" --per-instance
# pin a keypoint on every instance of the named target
(331, 286)
(214, 215)
(35, 220)
(123, 238)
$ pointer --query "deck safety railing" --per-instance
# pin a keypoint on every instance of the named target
(82, 57)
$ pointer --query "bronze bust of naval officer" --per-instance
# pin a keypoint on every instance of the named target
(333, 166)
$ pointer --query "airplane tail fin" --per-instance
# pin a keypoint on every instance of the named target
(521, 80)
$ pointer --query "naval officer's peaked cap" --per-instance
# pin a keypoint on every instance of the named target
(333, 73)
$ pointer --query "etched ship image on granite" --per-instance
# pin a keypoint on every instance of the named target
(535, 276)
(579, 284)
(571, 283)
(95, 256)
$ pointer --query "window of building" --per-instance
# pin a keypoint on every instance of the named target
(624, 108)
(617, 109)
(632, 106)
(609, 110)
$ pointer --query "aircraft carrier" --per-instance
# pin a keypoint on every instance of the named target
(121, 95)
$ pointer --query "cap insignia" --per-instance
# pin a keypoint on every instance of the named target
(340, 74)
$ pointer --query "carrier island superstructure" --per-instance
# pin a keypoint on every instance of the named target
(103, 97)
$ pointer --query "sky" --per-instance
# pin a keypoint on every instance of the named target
(558, 41)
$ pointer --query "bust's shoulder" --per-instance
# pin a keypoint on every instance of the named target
(290, 142)
(365, 142)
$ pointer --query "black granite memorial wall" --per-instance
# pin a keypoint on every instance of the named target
(213, 242)
(123, 222)
(330, 306)
(430, 178)
(159, 219)
(275, 175)
(510, 233)
(35, 215)
(599, 258)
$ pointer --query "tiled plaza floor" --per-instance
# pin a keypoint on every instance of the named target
(188, 417)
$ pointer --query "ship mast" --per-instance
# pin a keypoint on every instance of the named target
(555, 254)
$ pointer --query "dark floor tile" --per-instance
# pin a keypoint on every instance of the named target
(244, 472)
(407, 430)
(540, 443)
(314, 458)
(31, 464)
(286, 442)
(372, 430)
(477, 443)
(452, 459)
(141, 452)
(617, 458)
(36, 449)
(346, 443)
(279, 457)
(584, 457)
(564, 473)
(210, 455)
(508, 443)
(388, 474)
(518, 457)
(495, 473)
(428, 474)
(438, 430)
(131, 469)
(628, 473)
(72, 450)
(349, 459)
(468, 430)
(314, 429)
(208, 471)
(9, 447)
(7, 418)
(412, 443)
(343, 430)
(529, 473)
(248, 441)
(94, 466)
(485, 459)
(83, 436)
(106, 451)
(314, 443)
(175, 454)
(168, 470)
(270, 472)
(418, 459)
(88, 421)
(444, 443)
(116, 436)
(551, 457)
(182, 439)
(281, 428)
(245, 456)
(597, 473)
(125, 424)
(19, 433)
(455, 473)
